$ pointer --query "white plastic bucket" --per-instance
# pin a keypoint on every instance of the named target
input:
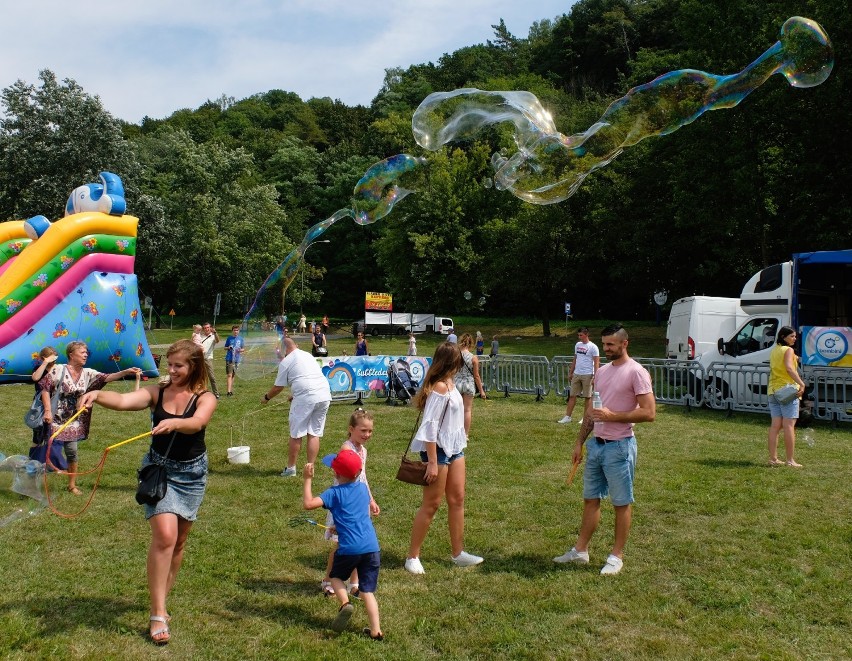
(239, 454)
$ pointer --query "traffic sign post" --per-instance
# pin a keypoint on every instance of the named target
(171, 318)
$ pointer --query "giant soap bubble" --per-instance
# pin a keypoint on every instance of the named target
(548, 166)
(21, 488)
(374, 197)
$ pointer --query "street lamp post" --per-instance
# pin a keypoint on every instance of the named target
(302, 297)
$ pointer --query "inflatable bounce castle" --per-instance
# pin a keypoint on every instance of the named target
(71, 280)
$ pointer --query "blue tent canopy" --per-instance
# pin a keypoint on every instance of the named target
(806, 259)
(824, 257)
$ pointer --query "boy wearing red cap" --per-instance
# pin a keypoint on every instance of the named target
(358, 546)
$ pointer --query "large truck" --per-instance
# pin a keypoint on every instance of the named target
(812, 293)
(401, 323)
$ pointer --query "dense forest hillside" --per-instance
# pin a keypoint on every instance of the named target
(225, 191)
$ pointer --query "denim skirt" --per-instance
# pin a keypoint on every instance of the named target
(187, 482)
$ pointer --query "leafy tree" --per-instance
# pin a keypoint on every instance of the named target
(53, 138)
(225, 232)
(338, 122)
(430, 248)
(403, 90)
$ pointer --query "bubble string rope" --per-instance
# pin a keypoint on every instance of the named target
(245, 417)
(99, 467)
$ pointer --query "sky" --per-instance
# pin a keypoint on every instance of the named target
(154, 57)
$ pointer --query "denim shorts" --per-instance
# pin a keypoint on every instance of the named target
(790, 410)
(443, 459)
(609, 470)
(367, 565)
(187, 482)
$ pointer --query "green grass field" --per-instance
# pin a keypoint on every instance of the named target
(727, 559)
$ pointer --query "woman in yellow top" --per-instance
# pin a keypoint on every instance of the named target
(782, 370)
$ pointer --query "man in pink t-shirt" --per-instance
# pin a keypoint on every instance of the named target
(627, 397)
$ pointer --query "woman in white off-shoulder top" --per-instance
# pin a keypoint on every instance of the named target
(441, 440)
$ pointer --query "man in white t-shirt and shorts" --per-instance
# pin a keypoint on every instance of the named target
(310, 398)
(627, 397)
(587, 360)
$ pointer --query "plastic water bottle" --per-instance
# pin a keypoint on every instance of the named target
(808, 437)
(596, 400)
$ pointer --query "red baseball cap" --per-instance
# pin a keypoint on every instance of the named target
(346, 463)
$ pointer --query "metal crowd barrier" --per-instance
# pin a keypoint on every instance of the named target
(831, 390)
(678, 382)
(560, 367)
(529, 375)
(736, 387)
(723, 385)
(350, 395)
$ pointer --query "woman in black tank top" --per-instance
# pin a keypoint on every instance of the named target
(181, 411)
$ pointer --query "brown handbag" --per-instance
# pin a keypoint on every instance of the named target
(413, 471)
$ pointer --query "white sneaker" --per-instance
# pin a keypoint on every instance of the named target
(290, 471)
(613, 565)
(465, 559)
(573, 555)
(413, 566)
(567, 418)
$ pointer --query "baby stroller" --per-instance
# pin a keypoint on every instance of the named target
(401, 385)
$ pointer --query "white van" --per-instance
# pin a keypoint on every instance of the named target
(443, 325)
(697, 322)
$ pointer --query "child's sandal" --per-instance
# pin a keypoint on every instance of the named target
(326, 589)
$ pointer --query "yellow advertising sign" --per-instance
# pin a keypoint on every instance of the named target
(378, 301)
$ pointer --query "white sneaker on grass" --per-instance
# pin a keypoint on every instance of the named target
(573, 555)
(613, 565)
(565, 419)
(413, 566)
(290, 471)
(465, 559)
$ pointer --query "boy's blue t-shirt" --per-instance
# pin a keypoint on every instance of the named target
(350, 506)
(232, 343)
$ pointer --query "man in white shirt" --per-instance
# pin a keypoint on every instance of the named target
(209, 339)
(587, 361)
(310, 398)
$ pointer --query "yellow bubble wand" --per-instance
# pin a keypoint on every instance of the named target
(68, 422)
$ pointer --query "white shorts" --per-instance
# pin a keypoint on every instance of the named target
(307, 419)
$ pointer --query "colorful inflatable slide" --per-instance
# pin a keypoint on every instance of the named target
(74, 282)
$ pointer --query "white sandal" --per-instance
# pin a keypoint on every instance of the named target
(160, 636)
